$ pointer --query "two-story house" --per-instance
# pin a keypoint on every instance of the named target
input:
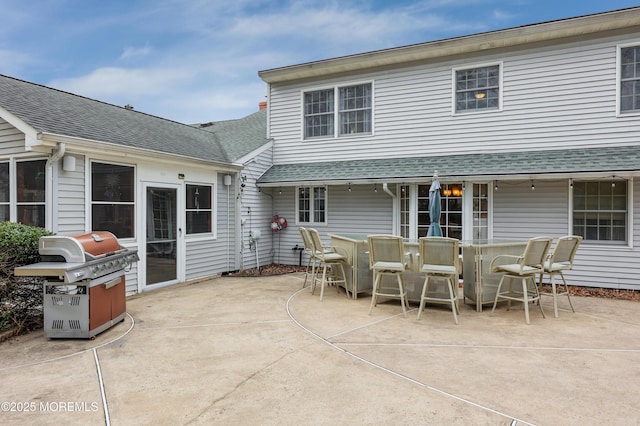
(533, 130)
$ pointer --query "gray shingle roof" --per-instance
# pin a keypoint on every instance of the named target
(529, 163)
(242, 136)
(50, 110)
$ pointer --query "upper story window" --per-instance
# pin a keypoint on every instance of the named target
(600, 210)
(630, 79)
(199, 209)
(25, 202)
(477, 88)
(311, 204)
(113, 199)
(349, 106)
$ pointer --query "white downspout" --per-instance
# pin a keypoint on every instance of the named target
(385, 188)
(56, 155)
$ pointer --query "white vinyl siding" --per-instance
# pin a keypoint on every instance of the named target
(70, 199)
(209, 256)
(629, 66)
(520, 213)
(11, 139)
(256, 212)
(361, 211)
(542, 94)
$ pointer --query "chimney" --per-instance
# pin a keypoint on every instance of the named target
(262, 105)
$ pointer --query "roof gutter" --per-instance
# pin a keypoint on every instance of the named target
(89, 146)
(622, 174)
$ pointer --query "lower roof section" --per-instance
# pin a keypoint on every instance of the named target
(603, 161)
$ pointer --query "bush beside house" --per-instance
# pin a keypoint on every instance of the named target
(20, 297)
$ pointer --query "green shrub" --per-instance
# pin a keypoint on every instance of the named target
(19, 244)
(20, 297)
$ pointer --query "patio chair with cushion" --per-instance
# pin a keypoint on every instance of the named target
(439, 259)
(523, 268)
(387, 258)
(310, 252)
(560, 260)
(329, 260)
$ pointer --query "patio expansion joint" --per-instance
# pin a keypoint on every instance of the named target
(84, 351)
(514, 420)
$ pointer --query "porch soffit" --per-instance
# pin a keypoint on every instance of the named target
(503, 166)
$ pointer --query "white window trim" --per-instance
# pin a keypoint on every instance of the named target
(336, 113)
(467, 208)
(89, 200)
(204, 235)
(311, 206)
(620, 114)
(500, 66)
(630, 216)
(13, 189)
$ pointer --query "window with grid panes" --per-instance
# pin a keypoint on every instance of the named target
(630, 79)
(319, 113)
(311, 204)
(477, 89)
(450, 210)
(349, 106)
(480, 211)
(600, 210)
(405, 214)
(355, 109)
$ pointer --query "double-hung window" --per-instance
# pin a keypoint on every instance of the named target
(30, 192)
(477, 89)
(25, 202)
(199, 209)
(600, 211)
(630, 79)
(113, 199)
(348, 106)
(5, 193)
(312, 202)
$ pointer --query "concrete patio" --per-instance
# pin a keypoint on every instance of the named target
(262, 351)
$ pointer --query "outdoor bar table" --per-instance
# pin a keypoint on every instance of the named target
(359, 275)
(479, 283)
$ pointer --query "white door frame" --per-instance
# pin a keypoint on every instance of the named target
(180, 245)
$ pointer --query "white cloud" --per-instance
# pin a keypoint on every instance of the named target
(198, 60)
(135, 52)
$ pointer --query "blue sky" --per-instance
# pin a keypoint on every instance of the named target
(198, 60)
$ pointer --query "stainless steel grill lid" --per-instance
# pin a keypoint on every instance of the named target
(79, 257)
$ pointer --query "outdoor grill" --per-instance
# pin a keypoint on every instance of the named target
(84, 293)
